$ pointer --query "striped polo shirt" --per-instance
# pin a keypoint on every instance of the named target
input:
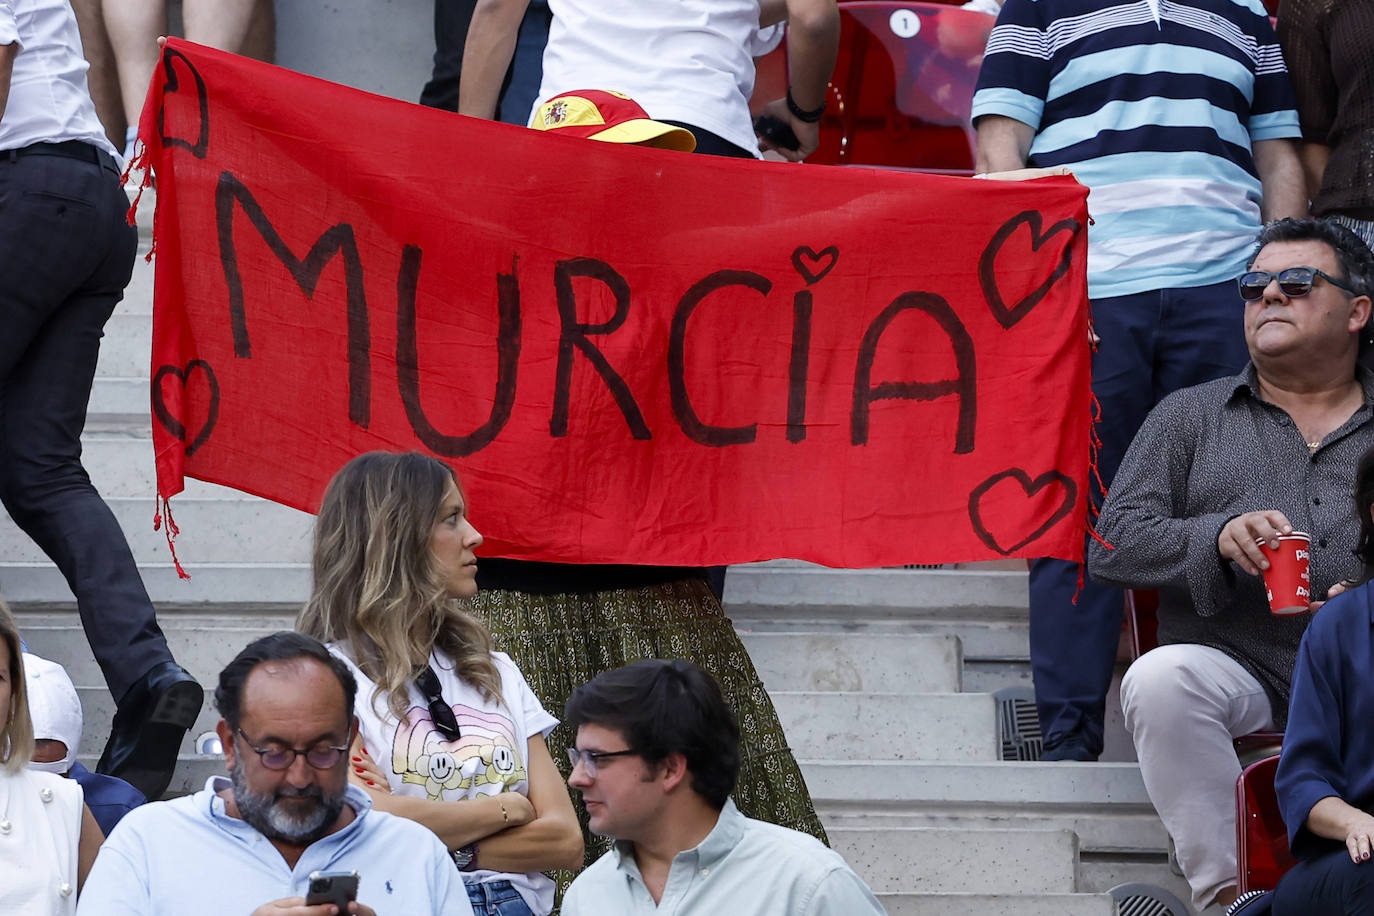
(1154, 105)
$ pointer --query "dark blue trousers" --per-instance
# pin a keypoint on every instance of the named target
(1329, 885)
(1152, 344)
(66, 254)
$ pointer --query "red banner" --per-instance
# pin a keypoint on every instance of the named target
(629, 355)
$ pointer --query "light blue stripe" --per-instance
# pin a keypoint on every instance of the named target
(1152, 112)
(1011, 103)
(1275, 125)
(1108, 170)
(1160, 59)
(1167, 222)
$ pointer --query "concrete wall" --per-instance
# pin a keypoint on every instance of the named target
(382, 46)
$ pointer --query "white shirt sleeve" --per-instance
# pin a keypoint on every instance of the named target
(9, 24)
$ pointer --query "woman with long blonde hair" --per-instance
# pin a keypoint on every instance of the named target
(450, 734)
(48, 837)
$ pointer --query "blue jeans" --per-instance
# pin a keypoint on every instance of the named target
(497, 898)
(1152, 344)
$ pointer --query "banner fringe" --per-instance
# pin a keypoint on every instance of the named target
(171, 531)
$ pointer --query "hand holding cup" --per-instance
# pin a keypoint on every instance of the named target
(1239, 540)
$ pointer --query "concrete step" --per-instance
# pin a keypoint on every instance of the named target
(119, 458)
(889, 726)
(856, 662)
(990, 638)
(998, 904)
(211, 582)
(802, 587)
(202, 643)
(1103, 803)
(949, 861)
(126, 348)
(233, 525)
(1099, 873)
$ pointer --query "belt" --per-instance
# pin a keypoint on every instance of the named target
(68, 149)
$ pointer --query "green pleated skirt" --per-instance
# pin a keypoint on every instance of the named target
(561, 641)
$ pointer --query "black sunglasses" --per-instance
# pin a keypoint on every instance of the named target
(1295, 282)
(439, 711)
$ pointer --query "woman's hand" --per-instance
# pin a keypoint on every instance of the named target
(365, 769)
(1359, 837)
(517, 808)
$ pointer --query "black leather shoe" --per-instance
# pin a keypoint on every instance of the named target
(149, 724)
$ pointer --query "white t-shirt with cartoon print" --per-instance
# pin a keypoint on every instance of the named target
(488, 758)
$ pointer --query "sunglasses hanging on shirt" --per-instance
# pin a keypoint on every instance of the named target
(439, 711)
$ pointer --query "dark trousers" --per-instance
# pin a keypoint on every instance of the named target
(1152, 344)
(1329, 885)
(521, 86)
(66, 254)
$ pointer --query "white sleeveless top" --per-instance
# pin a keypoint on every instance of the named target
(40, 827)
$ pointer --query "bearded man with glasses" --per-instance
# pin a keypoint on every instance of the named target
(249, 843)
(1215, 470)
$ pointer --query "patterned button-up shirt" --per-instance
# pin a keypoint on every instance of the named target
(1205, 455)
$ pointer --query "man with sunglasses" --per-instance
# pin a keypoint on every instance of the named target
(249, 843)
(656, 758)
(1216, 469)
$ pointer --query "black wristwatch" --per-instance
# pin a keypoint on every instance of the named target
(465, 857)
(801, 114)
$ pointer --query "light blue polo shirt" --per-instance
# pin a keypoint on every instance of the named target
(189, 856)
(743, 866)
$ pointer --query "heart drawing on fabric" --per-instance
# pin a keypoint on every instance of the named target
(200, 130)
(992, 282)
(1012, 508)
(814, 265)
(164, 416)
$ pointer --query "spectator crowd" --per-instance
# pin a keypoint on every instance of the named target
(398, 751)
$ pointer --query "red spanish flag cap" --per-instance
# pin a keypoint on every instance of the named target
(600, 115)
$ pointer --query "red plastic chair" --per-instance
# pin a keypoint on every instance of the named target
(1261, 837)
(902, 88)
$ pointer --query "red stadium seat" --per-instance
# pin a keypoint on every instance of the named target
(1261, 838)
(1142, 621)
(902, 88)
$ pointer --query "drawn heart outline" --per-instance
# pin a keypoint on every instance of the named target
(172, 424)
(1031, 487)
(172, 84)
(1009, 316)
(804, 257)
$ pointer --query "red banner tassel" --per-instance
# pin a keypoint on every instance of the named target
(171, 531)
(139, 161)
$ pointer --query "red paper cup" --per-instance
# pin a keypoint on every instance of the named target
(1287, 580)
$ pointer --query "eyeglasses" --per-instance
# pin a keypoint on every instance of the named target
(1295, 282)
(440, 713)
(321, 756)
(590, 759)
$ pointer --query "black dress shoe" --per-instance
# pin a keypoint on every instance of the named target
(149, 724)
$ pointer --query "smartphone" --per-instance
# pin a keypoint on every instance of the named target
(337, 887)
(776, 131)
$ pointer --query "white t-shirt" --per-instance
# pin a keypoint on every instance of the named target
(681, 60)
(488, 758)
(49, 101)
